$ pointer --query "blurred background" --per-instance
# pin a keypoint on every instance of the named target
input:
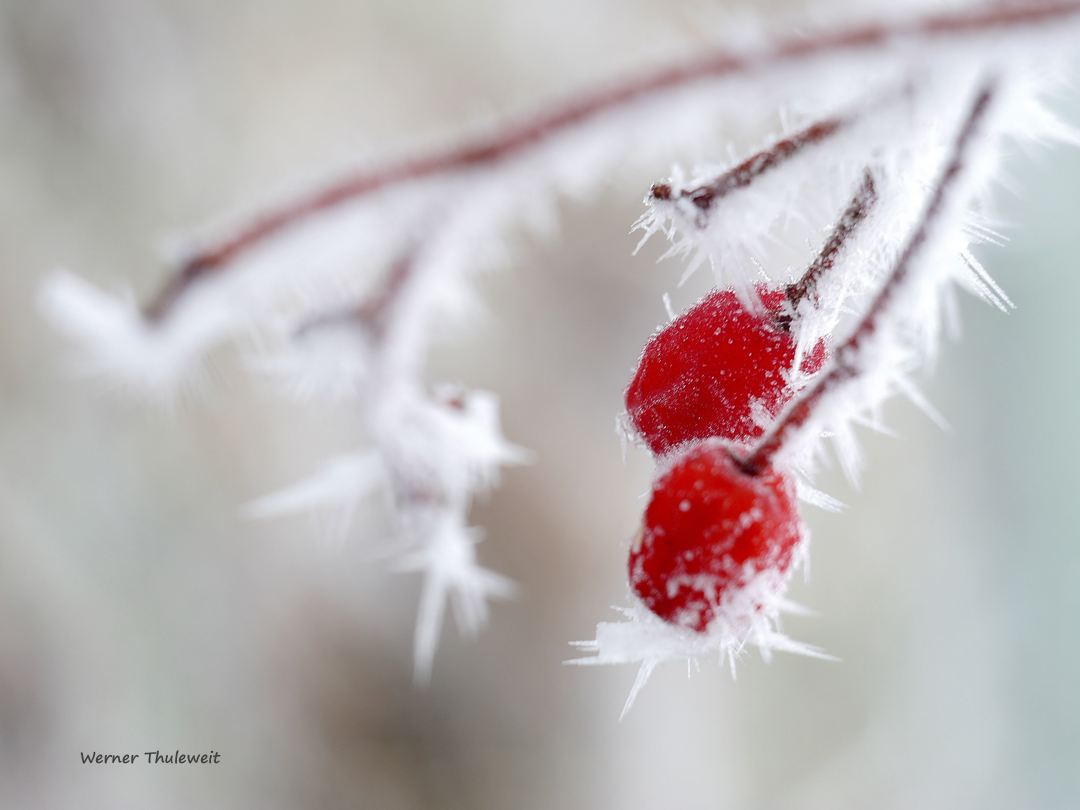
(138, 611)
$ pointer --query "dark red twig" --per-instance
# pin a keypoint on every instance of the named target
(530, 131)
(806, 287)
(753, 167)
(845, 363)
(376, 312)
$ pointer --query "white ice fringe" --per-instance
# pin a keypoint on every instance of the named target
(448, 446)
(447, 558)
(906, 337)
(459, 218)
(117, 345)
(432, 454)
(747, 615)
(335, 491)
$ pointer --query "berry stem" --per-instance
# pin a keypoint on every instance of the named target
(516, 137)
(845, 362)
(806, 287)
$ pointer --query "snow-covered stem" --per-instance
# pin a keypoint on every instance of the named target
(516, 137)
(376, 312)
(845, 364)
(703, 196)
(806, 287)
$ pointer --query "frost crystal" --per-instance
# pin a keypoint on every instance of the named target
(447, 559)
(747, 616)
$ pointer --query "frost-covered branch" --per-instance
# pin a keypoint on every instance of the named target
(375, 313)
(485, 151)
(852, 360)
(703, 196)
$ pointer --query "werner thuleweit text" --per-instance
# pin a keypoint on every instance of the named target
(152, 758)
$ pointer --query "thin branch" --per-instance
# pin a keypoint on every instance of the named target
(753, 167)
(519, 136)
(845, 364)
(375, 312)
(806, 287)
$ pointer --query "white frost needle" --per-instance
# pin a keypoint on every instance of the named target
(447, 559)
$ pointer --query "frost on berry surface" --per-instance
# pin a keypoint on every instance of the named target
(338, 293)
(709, 529)
(748, 616)
(712, 370)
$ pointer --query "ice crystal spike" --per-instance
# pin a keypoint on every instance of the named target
(447, 559)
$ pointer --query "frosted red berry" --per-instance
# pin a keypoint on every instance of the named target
(700, 374)
(709, 528)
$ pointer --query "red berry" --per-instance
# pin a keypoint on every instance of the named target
(700, 374)
(709, 528)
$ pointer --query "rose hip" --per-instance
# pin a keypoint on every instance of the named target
(700, 375)
(709, 528)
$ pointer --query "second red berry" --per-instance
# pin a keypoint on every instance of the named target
(710, 528)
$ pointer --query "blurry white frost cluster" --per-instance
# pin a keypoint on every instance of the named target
(340, 293)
